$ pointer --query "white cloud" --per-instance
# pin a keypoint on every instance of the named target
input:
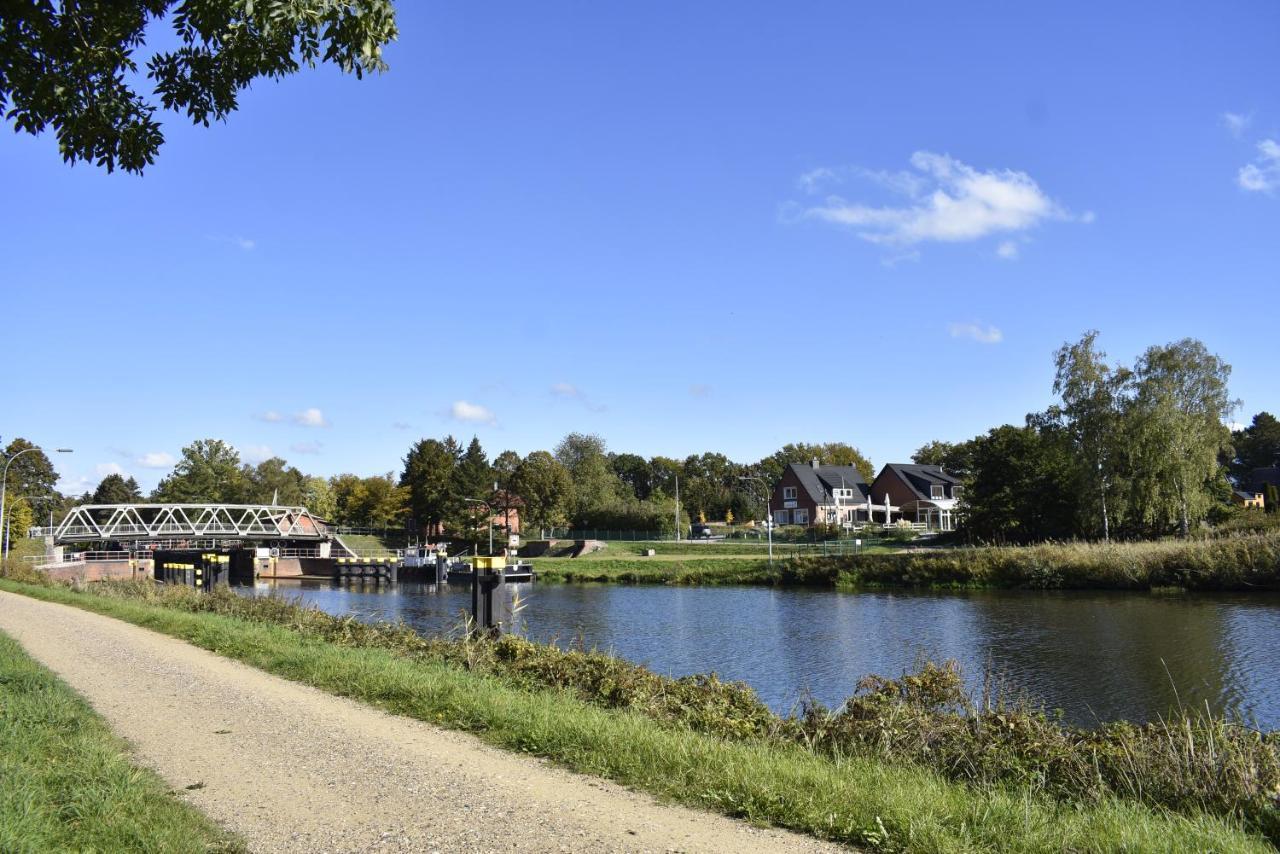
(1237, 123)
(565, 390)
(255, 453)
(1008, 250)
(977, 332)
(306, 447)
(246, 244)
(570, 391)
(946, 201)
(1263, 174)
(156, 460)
(104, 469)
(310, 418)
(815, 179)
(76, 485)
(471, 412)
(270, 416)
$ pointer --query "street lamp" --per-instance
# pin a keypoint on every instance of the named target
(4, 488)
(677, 477)
(489, 513)
(768, 513)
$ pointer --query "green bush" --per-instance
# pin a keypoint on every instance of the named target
(899, 534)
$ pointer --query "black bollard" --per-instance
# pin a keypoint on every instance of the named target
(485, 579)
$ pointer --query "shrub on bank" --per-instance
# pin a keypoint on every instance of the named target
(22, 572)
(1191, 762)
(1230, 563)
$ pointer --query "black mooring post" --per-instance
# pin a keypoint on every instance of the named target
(475, 598)
(483, 583)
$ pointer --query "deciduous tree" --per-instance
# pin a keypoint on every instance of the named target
(1092, 410)
(1175, 432)
(208, 471)
(587, 461)
(31, 476)
(546, 487)
(827, 454)
(72, 67)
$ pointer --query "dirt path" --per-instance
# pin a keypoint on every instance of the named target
(294, 769)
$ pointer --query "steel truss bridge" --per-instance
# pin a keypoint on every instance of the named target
(103, 522)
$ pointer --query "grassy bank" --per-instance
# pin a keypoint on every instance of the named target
(1244, 562)
(1247, 562)
(702, 742)
(657, 570)
(65, 784)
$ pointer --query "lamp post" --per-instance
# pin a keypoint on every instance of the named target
(4, 488)
(677, 477)
(488, 512)
(768, 512)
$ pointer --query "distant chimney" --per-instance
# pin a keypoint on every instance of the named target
(814, 463)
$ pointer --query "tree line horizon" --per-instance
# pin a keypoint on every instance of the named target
(1128, 452)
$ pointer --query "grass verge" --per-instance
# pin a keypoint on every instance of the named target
(830, 794)
(65, 781)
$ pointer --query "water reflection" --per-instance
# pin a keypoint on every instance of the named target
(1096, 656)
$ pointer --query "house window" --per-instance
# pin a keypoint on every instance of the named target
(937, 491)
(957, 491)
(781, 517)
(801, 516)
(788, 493)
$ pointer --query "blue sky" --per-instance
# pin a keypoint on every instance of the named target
(685, 227)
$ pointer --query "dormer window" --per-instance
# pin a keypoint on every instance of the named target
(937, 491)
(789, 493)
(957, 491)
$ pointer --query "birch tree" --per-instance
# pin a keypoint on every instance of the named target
(1092, 394)
(1176, 431)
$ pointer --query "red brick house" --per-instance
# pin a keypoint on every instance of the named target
(813, 494)
(917, 493)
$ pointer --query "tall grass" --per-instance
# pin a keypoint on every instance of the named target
(1195, 764)
(65, 784)
(1243, 562)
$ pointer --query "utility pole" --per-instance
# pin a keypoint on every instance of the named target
(677, 508)
(768, 511)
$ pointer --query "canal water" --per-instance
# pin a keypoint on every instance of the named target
(1097, 656)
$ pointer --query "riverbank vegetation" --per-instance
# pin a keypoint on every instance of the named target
(67, 785)
(1243, 562)
(906, 764)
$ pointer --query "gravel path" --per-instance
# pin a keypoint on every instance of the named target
(291, 768)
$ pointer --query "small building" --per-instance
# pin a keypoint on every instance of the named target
(1248, 498)
(506, 511)
(920, 494)
(813, 494)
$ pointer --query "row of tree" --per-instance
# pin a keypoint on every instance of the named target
(1125, 451)
(446, 487)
